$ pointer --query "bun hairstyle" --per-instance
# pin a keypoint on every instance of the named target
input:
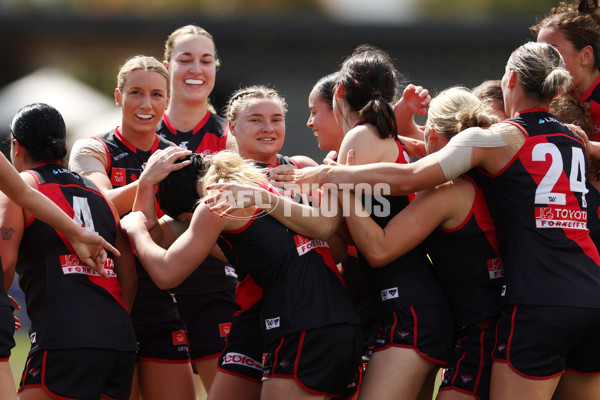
(178, 192)
(370, 81)
(540, 69)
(456, 109)
(228, 166)
(40, 129)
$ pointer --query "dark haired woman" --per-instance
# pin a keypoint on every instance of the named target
(82, 340)
(574, 30)
(403, 355)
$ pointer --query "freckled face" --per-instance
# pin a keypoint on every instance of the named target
(260, 130)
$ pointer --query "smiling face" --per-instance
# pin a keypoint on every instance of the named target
(323, 123)
(143, 100)
(260, 129)
(193, 68)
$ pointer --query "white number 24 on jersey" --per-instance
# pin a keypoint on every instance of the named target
(544, 193)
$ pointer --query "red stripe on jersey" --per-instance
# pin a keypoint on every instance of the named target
(485, 221)
(541, 169)
(201, 123)
(403, 158)
(211, 143)
(325, 252)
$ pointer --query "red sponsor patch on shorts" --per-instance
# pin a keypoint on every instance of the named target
(179, 338)
(224, 329)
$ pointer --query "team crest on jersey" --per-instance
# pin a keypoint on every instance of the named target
(404, 333)
(272, 323)
(71, 264)
(551, 217)
(389, 294)
(304, 244)
(495, 268)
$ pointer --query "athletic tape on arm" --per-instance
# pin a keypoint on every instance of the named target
(455, 157)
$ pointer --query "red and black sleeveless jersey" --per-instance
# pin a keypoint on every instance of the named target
(125, 164)
(540, 209)
(467, 264)
(209, 136)
(248, 294)
(302, 287)
(408, 280)
(592, 96)
(70, 305)
(125, 161)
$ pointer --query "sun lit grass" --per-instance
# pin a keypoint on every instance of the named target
(18, 355)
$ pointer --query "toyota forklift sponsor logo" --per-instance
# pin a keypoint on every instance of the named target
(547, 217)
(71, 264)
(304, 244)
(495, 268)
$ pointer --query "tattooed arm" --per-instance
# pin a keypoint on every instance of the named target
(11, 232)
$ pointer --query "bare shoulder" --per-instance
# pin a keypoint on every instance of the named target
(29, 179)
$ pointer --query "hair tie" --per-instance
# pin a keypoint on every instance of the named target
(376, 93)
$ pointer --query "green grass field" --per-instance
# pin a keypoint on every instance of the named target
(18, 355)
